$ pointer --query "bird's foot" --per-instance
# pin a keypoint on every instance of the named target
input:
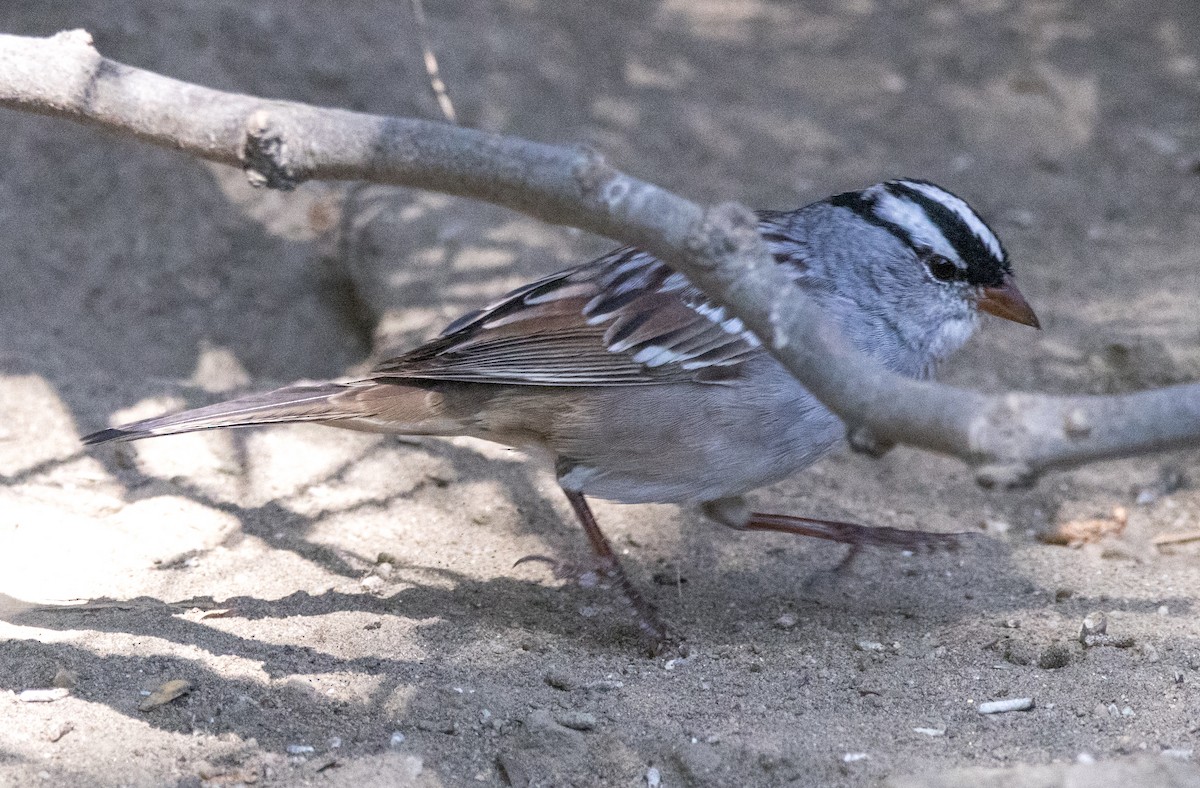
(601, 572)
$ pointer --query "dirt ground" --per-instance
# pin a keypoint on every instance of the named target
(345, 607)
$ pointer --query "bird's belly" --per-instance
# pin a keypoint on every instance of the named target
(640, 447)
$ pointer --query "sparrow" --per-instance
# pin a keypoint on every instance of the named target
(636, 387)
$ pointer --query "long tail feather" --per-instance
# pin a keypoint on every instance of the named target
(300, 402)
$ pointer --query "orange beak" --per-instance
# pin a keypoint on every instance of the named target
(1007, 302)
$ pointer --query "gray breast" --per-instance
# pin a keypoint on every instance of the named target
(688, 443)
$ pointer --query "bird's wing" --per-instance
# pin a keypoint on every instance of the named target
(622, 319)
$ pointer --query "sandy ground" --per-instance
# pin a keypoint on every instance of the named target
(345, 607)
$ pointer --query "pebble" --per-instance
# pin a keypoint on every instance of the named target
(43, 695)
(854, 757)
(1001, 706)
(576, 720)
(1094, 629)
(166, 692)
(869, 645)
(1094, 624)
(653, 778)
(1179, 753)
(604, 685)
(300, 749)
(397, 739)
(559, 680)
(786, 621)
(930, 731)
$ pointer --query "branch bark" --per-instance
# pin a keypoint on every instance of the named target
(1009, 438)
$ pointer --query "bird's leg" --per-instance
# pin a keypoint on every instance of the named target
(853, 534)
(734, 513)
(610, 567)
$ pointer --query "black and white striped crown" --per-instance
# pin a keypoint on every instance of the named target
(928, 217)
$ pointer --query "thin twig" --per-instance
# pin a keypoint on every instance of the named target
(431, 65)
(1009, 438)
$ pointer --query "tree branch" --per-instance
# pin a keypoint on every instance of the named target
(1009, 438)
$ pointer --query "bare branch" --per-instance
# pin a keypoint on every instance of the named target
(1010, 438)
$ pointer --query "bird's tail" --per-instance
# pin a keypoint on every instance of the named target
(298, 402)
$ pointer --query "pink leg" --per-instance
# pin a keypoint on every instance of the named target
(610, 567)
(853, 534)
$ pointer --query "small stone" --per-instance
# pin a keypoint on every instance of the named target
(1094, 625)
(371, 582)
(396, 739)
(559, 680)
(1163, 610)
(300, 749)
(786, 621)
(1178, 753)
(1002, 706)
(855, 757)
(930, 731)
(43, 695)
(653, 778)
(869, 645)
(576, 720)
(604, 685)
(1127, 712)
(61, 731)
(167, 692)
(1063, 594)
(1149, 652)
(1054, 657)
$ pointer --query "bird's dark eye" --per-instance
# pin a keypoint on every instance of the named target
(943, 269)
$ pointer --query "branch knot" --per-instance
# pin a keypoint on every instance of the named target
(265, 155)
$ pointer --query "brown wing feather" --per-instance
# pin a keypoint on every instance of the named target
(622, 319)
